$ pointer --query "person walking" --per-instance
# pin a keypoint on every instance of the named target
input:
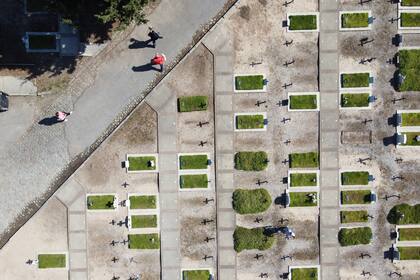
(154, 36)
(159, 59)
(62, 116)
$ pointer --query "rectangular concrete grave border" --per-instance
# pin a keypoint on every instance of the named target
(361, 226)
(348, 206)
(142, 211)
(369, 12)
(407, 29)
(407, 147)
(317, 266)
(198, 268)
(408, 128)
(251, 129)
(143, 155)
(307, 188)
(194, 189)
(353, 187)
(303, 93)
(343, 91)
(401, 7)
(143, 230)
(406, 243)
(356, 89)
(303, 14)
(26, 41)
(249, 91)
(194, 171)
(406, 261)
(116, 202)
(302, 190)
(54, 253)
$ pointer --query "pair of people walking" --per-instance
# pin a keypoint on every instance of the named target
(159, 58)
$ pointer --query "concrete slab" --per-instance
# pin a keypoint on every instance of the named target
(17, 86)
(227, 256)
(169, 201)
(329, 272)
(168, 162)
(224, 200)
(329, 140)
(167, 123)
(170, 258)
(329, 255)
(329, 62)
(223, 103)
(328, 21)
(226, 219)
(328, 41)
(171, 274)
(329, 159)
(79, 204)
(77, 241)
(168, 182)
(330, 217)
(329, 100)
(167, 142)
(329, 198)
(328, 236)
(225, 238)
(224, 141)
(223, 83)
(223, 63)
(78, 260)
(161, 99)
(77, 222)
(224, 123)
(78, 275)
(169, 239)
(69, 191)
(227, 274)
(225, 162)
(225, 181)
(328, 82)
(329, 120)
(329, 178)
(169, 220)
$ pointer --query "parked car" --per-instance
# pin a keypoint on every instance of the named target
(4, 102)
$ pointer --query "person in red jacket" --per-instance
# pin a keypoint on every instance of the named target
(159, 59)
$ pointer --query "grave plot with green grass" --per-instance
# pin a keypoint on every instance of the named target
(355, 20)
(355, 80)
(303, 199)
(51, 261)
(409, 68)
(410, 2)
(249, 82)
(349, 100)
(357, 216)
(304, 273)
(143, 221)
(409, 234)
(303, 102)
(251, 238)
(100, 202)
(403, 214)
(193, 181)
(413, 138)
(409, 253)
(193, 161)
(251, 201)
(302, 22)
(356, 197)
(192, 103)
(355, 236)
(198, 274)
(144, 241)
(354, 178)
(141, 163)
(304, 160)
(249, 121)
(251, 161)
(142, 201)
(410, 19)
(410, 119)
(303, 179)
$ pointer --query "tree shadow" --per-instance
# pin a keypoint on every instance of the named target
(137, 44)
(144, 68)
(48, 121)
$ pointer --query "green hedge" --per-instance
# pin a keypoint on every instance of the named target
(251, 238)
(251, 161)
(409, 67)
(354, 236)
(403, 214)
(251, 201)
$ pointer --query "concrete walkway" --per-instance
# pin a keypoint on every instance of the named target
(44, 152)
(329, 140)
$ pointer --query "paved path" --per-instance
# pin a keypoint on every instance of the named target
(33, 162)
(329, 140)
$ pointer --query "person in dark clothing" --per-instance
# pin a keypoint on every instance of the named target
(154, 36)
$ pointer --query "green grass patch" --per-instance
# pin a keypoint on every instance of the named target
(39, 42)
(355, 80)
(304, 273)
(403, 214)
(355, 178)
(143, 221)
(410, 119)
(410, 19)
(137, 163)
(409, 234)
(304, 160)
(302, 22)
(192, 103)
(359, 216)
(251, 161)
(354, 236)
(356, 197)
(199, 274)
(251, 238)
(303, 179)
(303, 102)
(303, 199)
(409, 67)
(409, 253)
(196, 181)
(144, 241)
(411, 138)
(251, 201)
(410, 3)
(249, 121)
(51, 260)
(143, 202)
(193, 162)
(100, 202)
(252, 82)
(355, 100)
(355, 20)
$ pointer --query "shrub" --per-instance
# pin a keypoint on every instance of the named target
(251, 201)
(253, 238)
(251, 161)
(354, 236)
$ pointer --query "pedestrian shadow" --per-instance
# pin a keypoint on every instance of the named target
(48, 121)
(137, 44)
(144, 68)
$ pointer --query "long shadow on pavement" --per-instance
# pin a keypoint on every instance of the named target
(136, 44)
(144, 68)
(48, 121)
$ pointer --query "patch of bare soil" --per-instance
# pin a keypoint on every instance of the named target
(193, 234)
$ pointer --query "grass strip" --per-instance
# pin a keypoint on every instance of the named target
(51, 261)
(355, 100)
(302, 22)
(251, 238)
(355, 236)
(303, 199)
(143, 221)
(196, 181)
(410, 119)
(303, 102)
(403, 214)
(355, 20)
(144, 241)
(304, 160)
(355, 178)
(249, 121)
(359, 216)
(199, 274)
(356, 197)
(303, 179)
(305, 273)
(409, 234)
(142, 201)
(251, 82)
(192, 103)
(355, 80)
(100, 202)
(193, 162)
(411, 138)
(409, 253)
(251, 161)
(141, 163)
(251, 201)
(409, 68)
(410, 3)
(410, 19)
